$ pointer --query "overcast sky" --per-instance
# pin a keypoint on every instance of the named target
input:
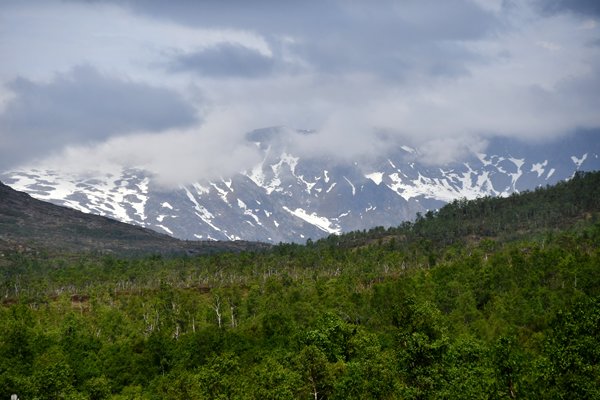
(174, 86)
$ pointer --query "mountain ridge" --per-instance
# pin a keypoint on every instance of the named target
(28, 224)
(289, 198)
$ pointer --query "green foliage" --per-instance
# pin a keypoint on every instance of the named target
(573, 354)
(442, 308)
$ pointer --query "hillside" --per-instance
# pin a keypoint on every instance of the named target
(30, 224)
(525, 215)
(485, 299)
(289, 197)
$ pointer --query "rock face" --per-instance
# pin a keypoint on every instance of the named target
(290, 198)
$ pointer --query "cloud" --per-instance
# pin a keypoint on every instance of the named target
(224, 60)
(444, 77)
(585, 7)
(83, 106)
(176, 156)
(393, 40)
(449, 149)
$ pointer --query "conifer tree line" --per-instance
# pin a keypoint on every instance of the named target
(496, 298)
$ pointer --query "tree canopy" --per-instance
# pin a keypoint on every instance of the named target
(492, 298)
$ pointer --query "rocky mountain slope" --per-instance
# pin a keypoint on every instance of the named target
(27, 224)
(290, 198)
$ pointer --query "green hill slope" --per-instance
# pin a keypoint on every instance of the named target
(489, 299)
(524, 215)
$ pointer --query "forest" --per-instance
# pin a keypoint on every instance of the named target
(495, 298)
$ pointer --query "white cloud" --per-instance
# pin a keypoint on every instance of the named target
(176, 157)
(366, 79)
(44, 37)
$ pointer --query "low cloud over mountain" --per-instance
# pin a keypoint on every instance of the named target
(174, 87)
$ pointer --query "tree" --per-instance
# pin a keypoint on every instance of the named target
(573, 351)
(271, 380)
(317, 373)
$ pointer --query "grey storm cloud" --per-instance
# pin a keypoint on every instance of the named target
(83, 106)
(392, 39)
(585, 7)
(224, 60)
(401, 38)
(429, 19)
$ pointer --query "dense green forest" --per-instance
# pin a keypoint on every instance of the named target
(495, 298)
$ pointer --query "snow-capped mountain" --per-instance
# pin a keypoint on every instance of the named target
(290, 198)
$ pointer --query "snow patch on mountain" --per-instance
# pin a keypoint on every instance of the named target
(578, 161)
(376, 177)
(351, 185)
(248, 212)
(539, 168)
(202, 212)
(287, 198)
(408, 149)
(483, 159)
(170, 232)
(258, 176)
(321, 222)
(200, 189)
(309, 185)
(105, 195)
(471, 185)
(222, 193)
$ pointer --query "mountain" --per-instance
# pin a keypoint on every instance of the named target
(290, 198)
(570, 205)
(27, 224)
(362, 315)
